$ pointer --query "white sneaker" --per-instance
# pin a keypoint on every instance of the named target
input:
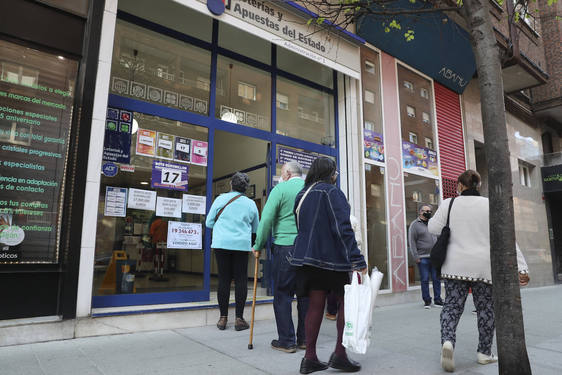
(447, 361)
(485, 359)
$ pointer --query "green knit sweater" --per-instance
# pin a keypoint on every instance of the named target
(277, 216)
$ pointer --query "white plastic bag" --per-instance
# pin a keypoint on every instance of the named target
(376, 279)
(357, 313)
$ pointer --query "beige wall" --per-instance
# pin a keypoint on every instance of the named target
(530, 214)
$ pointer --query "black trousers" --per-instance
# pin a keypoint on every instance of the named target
(232, 264)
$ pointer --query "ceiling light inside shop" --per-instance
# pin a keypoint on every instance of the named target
(61, 57)
(230, 117)
(144, 183)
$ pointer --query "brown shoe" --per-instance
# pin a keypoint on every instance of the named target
(221, 324)
(241, 324)
(331, 316)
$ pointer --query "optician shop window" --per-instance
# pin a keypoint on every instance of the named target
(151, 210)
(157, 69)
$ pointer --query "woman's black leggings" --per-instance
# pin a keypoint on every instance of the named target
(232, 264)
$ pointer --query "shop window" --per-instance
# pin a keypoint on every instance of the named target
(425, 117)
(313, 121)
(246, 44)
(244, 92)
(411, 111)
(413, 137)
(160, 188)
(369, 125)
(141, 69)
(409, 86)
(525, 174)
(376, 246)
(305, 68)
(369, 67)
(428, 143)
(369, 97)
(282, 101)
(18, 74)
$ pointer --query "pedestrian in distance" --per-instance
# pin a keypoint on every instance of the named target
(233, 217)
(278, 220)
(325, 251)
(467, 265)
(421, 241)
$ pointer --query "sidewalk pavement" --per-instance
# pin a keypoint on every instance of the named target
(406, 341)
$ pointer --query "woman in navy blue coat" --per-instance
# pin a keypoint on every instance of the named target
(325, 252)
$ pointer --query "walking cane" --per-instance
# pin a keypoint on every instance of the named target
(250, 345)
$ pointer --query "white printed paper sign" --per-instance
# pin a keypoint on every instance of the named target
(194, 204)
(142, 199)
(115, 201)
(184, 235)
(168, 207)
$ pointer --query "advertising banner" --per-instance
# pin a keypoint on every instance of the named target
(199, 150)
(169, 176)
(419, 160)
(373, 144)
(117, 140)
(146, 142)
(305, 159)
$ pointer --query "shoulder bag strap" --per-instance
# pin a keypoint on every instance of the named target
(223, 207)
(298, 209)
(449, 212)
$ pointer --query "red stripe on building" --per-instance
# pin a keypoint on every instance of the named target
(451, 140)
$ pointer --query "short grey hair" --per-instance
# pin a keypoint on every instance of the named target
(424, 205)
(240, 182)
(294, 167)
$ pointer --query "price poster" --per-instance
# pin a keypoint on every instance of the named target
(146, 142)
(142, 199)
(165, 147)
(184, 235)
(194, 204)
(199, 151)
(168, 207)
(167, 175)
(115, 201)
(182, 149)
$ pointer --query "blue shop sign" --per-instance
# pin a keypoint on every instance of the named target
(109, 169)
(440, 48)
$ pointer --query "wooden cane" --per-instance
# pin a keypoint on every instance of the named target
(250, 345)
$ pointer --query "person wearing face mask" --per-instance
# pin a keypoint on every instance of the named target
(421, 241)
(325, 251)
(278, 220)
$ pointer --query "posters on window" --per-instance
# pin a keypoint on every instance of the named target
(142, 199)
(199, 150)
(305, 159)
(182, 150)
(420, 160)
(168, 207)
(117, 140)
(167, 175)
(194, 204)
(184, 235)
(165, 146)
(115, 201)
(146, 142)
(373, 144)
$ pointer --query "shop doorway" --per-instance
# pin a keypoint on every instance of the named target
(554, 201)
(237, 153)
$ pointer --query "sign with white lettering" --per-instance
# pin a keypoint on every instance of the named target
(184, 235)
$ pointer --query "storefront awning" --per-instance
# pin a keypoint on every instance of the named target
(440, 48)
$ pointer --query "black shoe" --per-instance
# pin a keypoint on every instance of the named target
(438, 303)
(308, 366)
(343, 364)
(301, 345)
(427, 305)
(275, 344)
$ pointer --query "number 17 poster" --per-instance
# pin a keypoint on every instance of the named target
(169, 176)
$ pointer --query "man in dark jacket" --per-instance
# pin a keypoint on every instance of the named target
(421, 242)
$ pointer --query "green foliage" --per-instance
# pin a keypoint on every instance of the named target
(459, 3)
(413, 1)
(409, 35)
(309, 21)
(320, 20)
(516, 17)
(395, 25)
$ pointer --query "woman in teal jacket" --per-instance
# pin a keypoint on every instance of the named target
(232, 241)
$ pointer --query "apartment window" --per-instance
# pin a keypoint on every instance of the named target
(428, 143)
(369, 97)
(409, 86)
(282, 102)
(425, 117)
(18, 74)
(203, 84)
(413, 137)
(369, 67)
(369, 125)
(247, 91)
(411, 111)
(524, 174)
(424, 93)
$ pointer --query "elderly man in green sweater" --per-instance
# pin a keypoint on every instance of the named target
(278, 220)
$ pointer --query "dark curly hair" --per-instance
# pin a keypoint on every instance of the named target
(321, 170)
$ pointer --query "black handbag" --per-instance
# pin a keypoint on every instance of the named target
(439, 250)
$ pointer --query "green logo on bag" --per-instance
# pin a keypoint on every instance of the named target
(348, 325)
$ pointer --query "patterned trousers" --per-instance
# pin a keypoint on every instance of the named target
(456, 293)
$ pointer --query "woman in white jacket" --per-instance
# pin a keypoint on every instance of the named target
(466, 266)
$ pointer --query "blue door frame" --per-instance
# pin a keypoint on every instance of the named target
(213, 124)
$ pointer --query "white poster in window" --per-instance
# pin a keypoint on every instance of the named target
(142, 199)
(194, 204)
(168, 207)
(184, 235)
(115, 201)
